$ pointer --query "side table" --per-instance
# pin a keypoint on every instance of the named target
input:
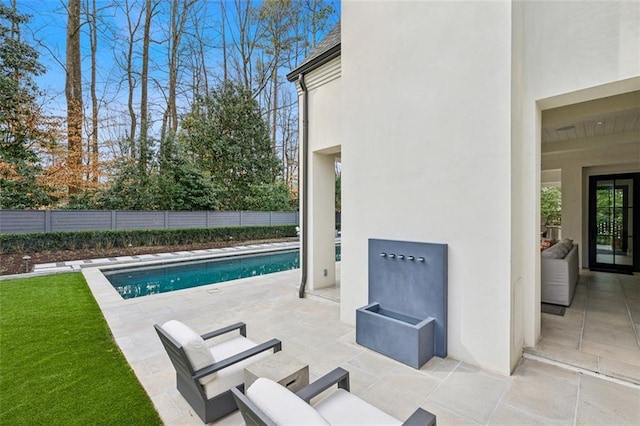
(279, 367)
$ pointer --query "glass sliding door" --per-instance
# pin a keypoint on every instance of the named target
(612, 218)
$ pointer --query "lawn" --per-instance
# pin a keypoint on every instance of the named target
(59, 363)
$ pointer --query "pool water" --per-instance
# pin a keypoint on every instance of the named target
(146, 280)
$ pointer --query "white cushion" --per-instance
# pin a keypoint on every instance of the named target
(194, 346)
(281, 405)
(234, 374)
(344, 408)
(230, 347)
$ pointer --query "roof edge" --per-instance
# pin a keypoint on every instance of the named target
(316, 62)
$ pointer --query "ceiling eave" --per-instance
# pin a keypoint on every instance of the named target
(315, 63)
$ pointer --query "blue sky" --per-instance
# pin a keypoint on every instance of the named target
(47, 30)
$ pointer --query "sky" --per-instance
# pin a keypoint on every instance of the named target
(47, 32)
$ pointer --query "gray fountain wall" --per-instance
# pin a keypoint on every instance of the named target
(406, 318)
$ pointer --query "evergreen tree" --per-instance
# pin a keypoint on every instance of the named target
(270, 197)
(23, 127)
(130, 190)
(230, 139)
(180, 184)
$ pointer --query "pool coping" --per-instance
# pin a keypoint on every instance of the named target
(150, 259)
(178, 258)
(107, 295)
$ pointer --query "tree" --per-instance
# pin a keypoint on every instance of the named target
(229, 138)
(277, 19)
(144, 90)
(180, 184)
(177, 21)
(24, 129)
(91, 12)
(127, 64)
(270, 197)
(551, 205)
(73, 93)
(130, 190)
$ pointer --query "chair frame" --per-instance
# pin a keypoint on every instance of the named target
(187, 380)
(253, 416)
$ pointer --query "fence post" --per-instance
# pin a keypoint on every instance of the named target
(47, 221)
(166, 219)
(114, 220)
(241, 218)
(270, 218)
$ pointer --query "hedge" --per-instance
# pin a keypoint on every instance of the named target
(36, 242)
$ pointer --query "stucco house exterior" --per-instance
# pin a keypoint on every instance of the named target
(447, 118)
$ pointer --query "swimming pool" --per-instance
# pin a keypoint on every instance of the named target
(146, 280)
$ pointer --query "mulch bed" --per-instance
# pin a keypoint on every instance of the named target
(13, 263)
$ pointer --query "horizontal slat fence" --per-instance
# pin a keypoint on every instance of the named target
(23, 221)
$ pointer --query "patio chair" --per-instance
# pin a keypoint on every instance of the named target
(205, 374)
(269, 403)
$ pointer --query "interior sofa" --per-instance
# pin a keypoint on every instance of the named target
(559, 273)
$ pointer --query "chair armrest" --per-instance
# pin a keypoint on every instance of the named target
(421, 417)
(338, 376)
(274, 344)
(239, 325)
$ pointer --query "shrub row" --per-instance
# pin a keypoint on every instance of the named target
(36, 242)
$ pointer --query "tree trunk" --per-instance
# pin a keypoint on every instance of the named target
(177, 24)
(131, 85)
(73, 93)
(144, 89)
(93, 40)
(223, 18)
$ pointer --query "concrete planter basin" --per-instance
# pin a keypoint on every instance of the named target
(401, 337)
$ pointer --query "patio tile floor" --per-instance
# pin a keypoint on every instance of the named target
(311, 330)
(599, 330)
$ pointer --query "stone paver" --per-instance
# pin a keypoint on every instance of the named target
(311, 330)
(597, 332)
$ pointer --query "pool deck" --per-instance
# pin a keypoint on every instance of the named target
(311, 330)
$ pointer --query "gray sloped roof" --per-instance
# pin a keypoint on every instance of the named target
(326, 50)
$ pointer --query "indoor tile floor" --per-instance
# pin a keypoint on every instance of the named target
(600, 331)
(311, 330)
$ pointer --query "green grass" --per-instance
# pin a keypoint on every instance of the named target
(58, 361)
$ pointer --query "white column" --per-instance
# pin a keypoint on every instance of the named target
(321, 270)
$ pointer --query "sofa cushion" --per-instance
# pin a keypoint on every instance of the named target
(194, 346)
(558, 251)
(281, 405)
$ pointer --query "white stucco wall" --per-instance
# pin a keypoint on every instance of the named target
(571, 52)
(441, 107)
(324, 139)
(426, 155)
(325, 94)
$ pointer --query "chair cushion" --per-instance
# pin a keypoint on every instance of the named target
(344, 408)
(194, 347)
(281, 405)
(233, 375)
